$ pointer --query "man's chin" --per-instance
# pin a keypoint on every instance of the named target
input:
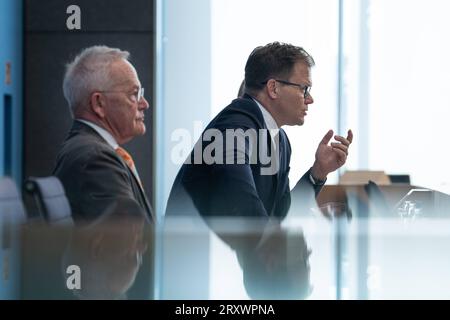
(141, 130)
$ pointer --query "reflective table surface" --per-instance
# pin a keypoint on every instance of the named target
(310, 258)
(352, 249)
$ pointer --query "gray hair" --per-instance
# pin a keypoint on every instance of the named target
(88, 72)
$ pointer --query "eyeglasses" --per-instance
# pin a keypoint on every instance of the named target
(306, 89)
(137, 97)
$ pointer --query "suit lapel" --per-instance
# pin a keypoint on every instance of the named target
(139, 191)
(280, 176)
(136, 186)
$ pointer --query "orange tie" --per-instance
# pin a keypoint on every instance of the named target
(128, 160)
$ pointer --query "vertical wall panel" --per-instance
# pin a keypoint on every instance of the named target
(11, 23)
(49, 45)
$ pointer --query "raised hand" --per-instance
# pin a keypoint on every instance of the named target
(330, 157)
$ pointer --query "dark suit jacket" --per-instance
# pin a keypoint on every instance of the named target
(238, 190)
(94, 176)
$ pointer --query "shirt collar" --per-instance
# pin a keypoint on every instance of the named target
(102, 132)
(271, 124)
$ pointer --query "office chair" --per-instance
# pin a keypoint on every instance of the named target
(400, 178)
(377, 198)
(11, 205)
(51, 200)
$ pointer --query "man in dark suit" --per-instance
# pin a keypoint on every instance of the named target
(224, 178)
(107, 103)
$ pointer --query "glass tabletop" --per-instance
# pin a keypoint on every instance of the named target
(370, 247)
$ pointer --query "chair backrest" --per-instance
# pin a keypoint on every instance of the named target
(377, 198)
(50, 198)
(400, 178)
(11, 205)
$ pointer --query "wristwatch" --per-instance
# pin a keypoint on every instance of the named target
(316, 182)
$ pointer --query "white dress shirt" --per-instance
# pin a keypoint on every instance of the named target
(102, 132)
(109, 139)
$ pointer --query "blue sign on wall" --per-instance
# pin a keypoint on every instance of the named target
(11, 31)
(11, 35)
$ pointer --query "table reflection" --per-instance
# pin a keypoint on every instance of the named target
(97, 260)
(375, 252)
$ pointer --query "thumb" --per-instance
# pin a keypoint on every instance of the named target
(327, 137)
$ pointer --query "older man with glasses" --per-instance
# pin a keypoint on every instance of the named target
(107, 103)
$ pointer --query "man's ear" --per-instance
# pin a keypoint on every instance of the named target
(98, 103)
(272, 89)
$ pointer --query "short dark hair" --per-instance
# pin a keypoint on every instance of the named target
(272, 61)
(241, 91)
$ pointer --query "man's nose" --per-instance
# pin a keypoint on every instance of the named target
(143, 104)
(309, 99)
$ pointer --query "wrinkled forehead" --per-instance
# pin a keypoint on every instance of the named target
(124, 74)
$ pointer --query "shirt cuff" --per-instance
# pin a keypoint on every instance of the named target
(316, 182)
